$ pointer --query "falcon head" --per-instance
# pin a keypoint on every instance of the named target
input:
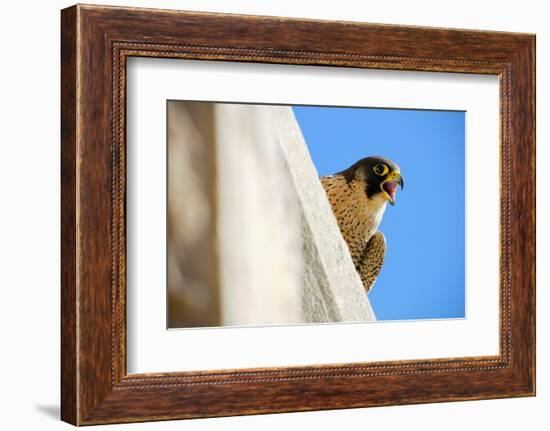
(380, 175)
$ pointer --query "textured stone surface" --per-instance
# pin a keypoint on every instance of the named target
(252, 239)
(331, 289)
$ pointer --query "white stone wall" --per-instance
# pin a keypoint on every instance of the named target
(331, 289)
(258, 221)
(280, 257)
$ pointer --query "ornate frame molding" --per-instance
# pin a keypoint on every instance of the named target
(96, 41)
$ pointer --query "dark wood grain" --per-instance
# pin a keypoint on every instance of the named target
(68, 218)
(96, 41)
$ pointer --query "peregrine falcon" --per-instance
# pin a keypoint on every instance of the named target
(358, 197)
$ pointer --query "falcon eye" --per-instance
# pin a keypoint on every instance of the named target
(380, 170)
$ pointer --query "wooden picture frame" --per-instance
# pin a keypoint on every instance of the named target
(95, 43)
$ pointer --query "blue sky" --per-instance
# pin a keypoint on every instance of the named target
(423, 273)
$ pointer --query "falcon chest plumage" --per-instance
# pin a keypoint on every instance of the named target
(358, 197)
(358, 217)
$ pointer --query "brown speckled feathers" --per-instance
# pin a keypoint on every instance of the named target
(358, 218)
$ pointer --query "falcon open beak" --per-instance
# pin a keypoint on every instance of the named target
(389, 186)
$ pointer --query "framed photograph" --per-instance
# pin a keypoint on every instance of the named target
(264, 214)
